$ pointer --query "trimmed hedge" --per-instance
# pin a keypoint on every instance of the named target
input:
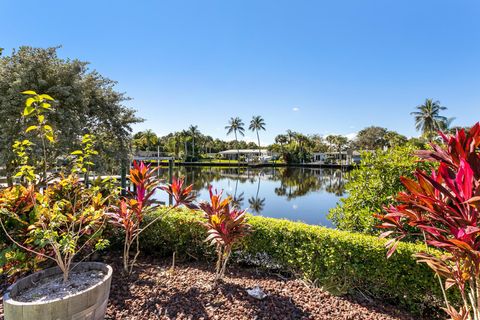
(330, 257)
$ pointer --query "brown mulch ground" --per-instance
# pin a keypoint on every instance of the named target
(187, 293)
(154, 292)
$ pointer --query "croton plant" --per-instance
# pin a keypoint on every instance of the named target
(443, 207)
(49, 216)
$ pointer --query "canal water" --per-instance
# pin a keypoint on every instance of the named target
(298, 194)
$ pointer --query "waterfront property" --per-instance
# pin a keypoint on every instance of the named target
(248, 155)
(349, 157)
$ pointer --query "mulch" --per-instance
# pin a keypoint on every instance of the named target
(157, 292)
(154, 291)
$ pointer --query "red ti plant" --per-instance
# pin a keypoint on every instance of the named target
(444, 207)
(226, 226)
(132, 209)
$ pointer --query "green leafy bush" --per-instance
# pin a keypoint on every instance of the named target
(349, 261)
(373, 185)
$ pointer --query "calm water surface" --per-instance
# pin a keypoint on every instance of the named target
(302, 194)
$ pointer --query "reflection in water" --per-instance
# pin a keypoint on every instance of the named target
(293, 193)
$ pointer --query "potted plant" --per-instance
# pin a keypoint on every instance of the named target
(65, 217)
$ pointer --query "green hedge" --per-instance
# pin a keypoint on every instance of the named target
(330, 257)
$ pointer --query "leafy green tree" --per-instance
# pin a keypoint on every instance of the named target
(371, 138)
(145, 140)
(428, 119)
(86, 102)
(235, 125)
(395, 139)
(338, 142)
(373, 185)
(319, 144)
(256, 124)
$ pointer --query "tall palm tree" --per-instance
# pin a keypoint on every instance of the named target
(193, 132)
(428, 119)
(235, 125)
(256, 124)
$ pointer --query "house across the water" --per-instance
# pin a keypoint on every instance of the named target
(343, 157)
(248, 155)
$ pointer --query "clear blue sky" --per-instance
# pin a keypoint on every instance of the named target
(311, 66)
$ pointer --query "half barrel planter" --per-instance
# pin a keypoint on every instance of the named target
(89, 304)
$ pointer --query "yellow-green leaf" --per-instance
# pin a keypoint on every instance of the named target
(31, 128)
(28, 110)
(41, 118)
(29, 92)
(47, 128)
(29, 102)
(49, 136)
(46, 105)
(46, 97)
(77, 152)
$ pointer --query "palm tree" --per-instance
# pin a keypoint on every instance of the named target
(428, 119)
(193, 132)
(447, 124)
(235, 125)
(256, 124)
(146, 140)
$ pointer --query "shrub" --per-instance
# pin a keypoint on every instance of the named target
(53, 220)
(372, 186)
(349, 260)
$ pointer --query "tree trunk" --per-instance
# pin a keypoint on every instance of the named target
(258, 139)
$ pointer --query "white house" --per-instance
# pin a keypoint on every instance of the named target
(344, 157)
(247, 154)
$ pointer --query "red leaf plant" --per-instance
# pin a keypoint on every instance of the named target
(133, 208)
(444, 207)
(226, 226)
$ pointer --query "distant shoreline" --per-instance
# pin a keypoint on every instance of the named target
(260, 165)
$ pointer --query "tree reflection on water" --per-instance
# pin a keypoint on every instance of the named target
(263, 185)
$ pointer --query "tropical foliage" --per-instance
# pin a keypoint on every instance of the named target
(225, 224)
(371, 186)
(132, 209)
(428, 119)
(236, 126)
(54, 221)
(256, 124)
(443, 206)
(372, 138)
(89, 104)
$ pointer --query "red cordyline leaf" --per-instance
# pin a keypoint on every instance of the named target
(181, 194)
(444, 204)
(225, 226)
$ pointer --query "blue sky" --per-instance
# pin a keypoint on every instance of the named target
(311, 66)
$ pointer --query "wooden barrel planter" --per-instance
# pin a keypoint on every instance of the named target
(89, 304)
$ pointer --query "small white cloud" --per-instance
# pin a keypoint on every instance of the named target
(296, 109)
(295, 207)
